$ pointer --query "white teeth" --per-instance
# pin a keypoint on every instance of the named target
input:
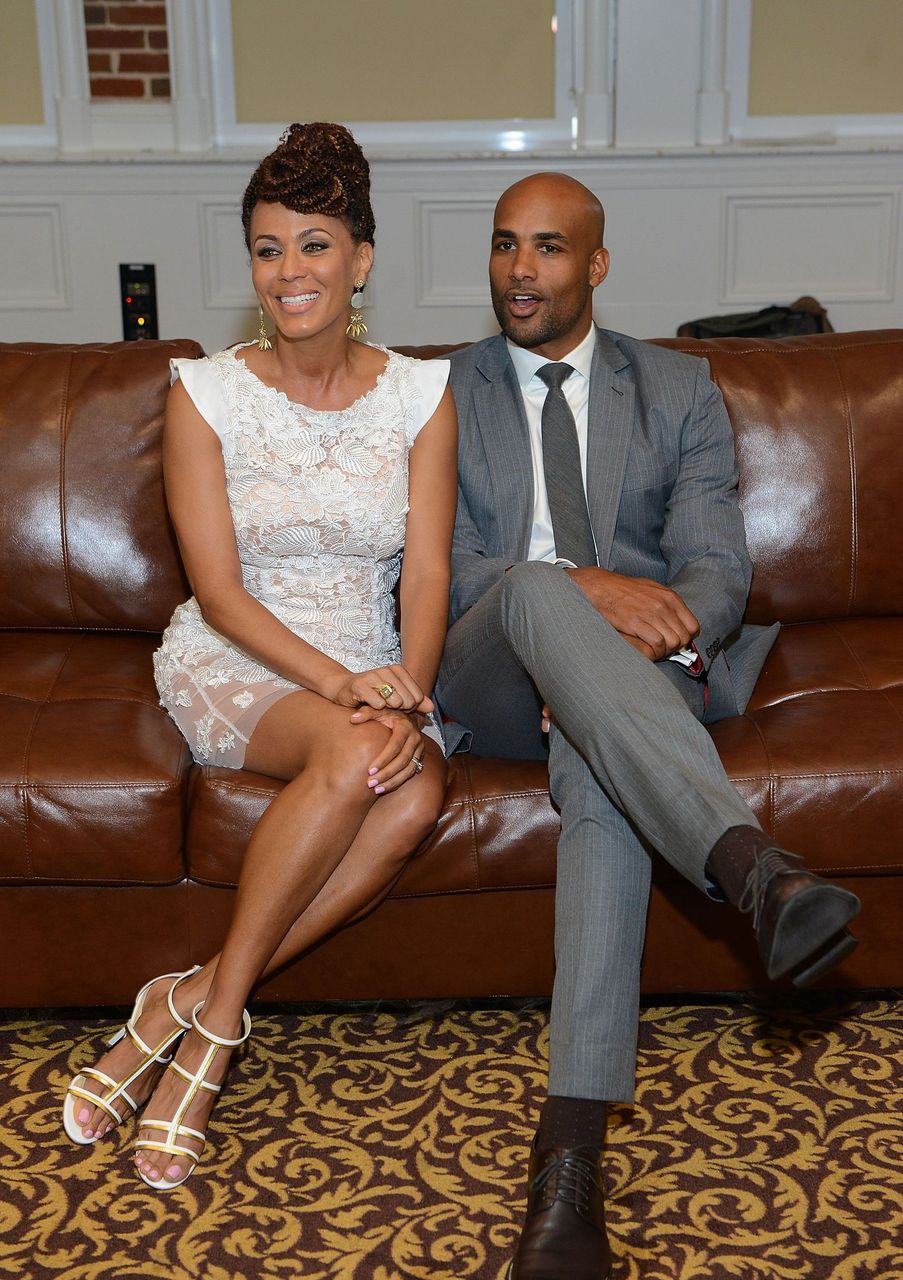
(296, 299)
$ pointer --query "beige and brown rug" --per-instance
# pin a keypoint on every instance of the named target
(391, 1144)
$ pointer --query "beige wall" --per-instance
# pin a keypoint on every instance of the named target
(826, 57)
(393, 59)
(20, 68)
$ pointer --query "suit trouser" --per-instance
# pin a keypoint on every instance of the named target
(630, 769)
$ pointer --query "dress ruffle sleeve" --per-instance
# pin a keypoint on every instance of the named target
(431, 379)
(205, 387)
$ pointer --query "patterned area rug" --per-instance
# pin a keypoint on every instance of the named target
(391, 1144)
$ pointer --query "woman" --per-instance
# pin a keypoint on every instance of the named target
(296, 469)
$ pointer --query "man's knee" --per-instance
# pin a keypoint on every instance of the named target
(531, 591)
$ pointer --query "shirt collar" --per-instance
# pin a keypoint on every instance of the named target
(527, 362)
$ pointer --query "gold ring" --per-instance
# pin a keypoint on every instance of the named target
(386, 690)
(418, 764)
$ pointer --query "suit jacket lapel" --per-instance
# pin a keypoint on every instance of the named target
(609, 428)
(502, 422)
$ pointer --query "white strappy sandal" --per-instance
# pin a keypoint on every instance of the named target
(112, 1102)
(174, 1129)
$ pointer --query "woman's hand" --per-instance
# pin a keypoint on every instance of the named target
(383, 687)
(395, 764)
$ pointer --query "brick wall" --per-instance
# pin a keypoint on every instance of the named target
(128, 50)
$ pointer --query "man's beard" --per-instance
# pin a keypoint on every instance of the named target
(535, 331)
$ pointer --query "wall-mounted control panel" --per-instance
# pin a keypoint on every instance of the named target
(138, 294)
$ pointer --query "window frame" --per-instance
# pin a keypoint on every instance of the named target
(436, 137)
(802, 129)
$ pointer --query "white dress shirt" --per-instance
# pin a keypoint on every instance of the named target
(576, 392)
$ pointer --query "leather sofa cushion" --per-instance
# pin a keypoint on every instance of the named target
(92, 771)
(816, 420)
(82, 488)
(819, 752)
(818, 755)
(497, 829)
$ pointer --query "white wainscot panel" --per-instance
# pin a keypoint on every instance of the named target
(838, 247)
(227, 274)
(33, 274)
(453, 249)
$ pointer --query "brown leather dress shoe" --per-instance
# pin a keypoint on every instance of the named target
(564, 1230)
(800, 920)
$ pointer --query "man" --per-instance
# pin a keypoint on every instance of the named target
(599, 579)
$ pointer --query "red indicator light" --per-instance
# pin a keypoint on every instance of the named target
(128, 299)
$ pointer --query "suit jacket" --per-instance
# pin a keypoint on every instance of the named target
(661, 491)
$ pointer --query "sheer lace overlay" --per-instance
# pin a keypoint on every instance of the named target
(319, 500)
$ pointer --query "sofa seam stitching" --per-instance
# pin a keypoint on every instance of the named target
(825, 773)
(782, 351)
(854, 503)
(469, 802)
(825, 688)
(64, 541)
(58, 702)
(474, 851)
(88, 786)
(770, 775)
(854, 658)
(24, 783)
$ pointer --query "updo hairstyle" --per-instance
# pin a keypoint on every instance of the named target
(317, 168)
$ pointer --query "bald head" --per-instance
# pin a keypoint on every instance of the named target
(547, 258)
(549, 189)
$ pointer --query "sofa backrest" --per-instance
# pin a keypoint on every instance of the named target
(86, 542)
(818, 423)
(85, 539)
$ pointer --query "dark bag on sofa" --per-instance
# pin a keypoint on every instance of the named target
(803, 316)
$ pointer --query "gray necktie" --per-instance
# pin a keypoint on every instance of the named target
(561, 464)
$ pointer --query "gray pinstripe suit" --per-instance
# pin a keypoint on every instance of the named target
(631, 768)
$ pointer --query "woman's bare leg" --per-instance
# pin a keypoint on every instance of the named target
(313, 862)
(392, 829)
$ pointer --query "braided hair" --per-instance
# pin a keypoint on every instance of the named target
(316, 168)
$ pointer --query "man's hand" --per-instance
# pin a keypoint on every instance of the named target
(640, 645)
(641, 609)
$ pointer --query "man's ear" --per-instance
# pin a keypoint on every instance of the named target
(598, 266)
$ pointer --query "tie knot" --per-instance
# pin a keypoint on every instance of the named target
(553, 375)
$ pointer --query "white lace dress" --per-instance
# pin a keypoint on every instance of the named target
(319, 500)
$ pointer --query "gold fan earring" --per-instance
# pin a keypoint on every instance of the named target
(263, 338)
(356, 326)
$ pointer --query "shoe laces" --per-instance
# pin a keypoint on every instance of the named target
(766, 868)
(572, 1178)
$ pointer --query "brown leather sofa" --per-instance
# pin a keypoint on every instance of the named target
(118, 856)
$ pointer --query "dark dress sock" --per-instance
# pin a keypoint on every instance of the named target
(571, 1122)
(733, 856)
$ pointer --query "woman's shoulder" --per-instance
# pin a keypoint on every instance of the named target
(425, 375)
(423, 385)
(204, 366)
(429, 366)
